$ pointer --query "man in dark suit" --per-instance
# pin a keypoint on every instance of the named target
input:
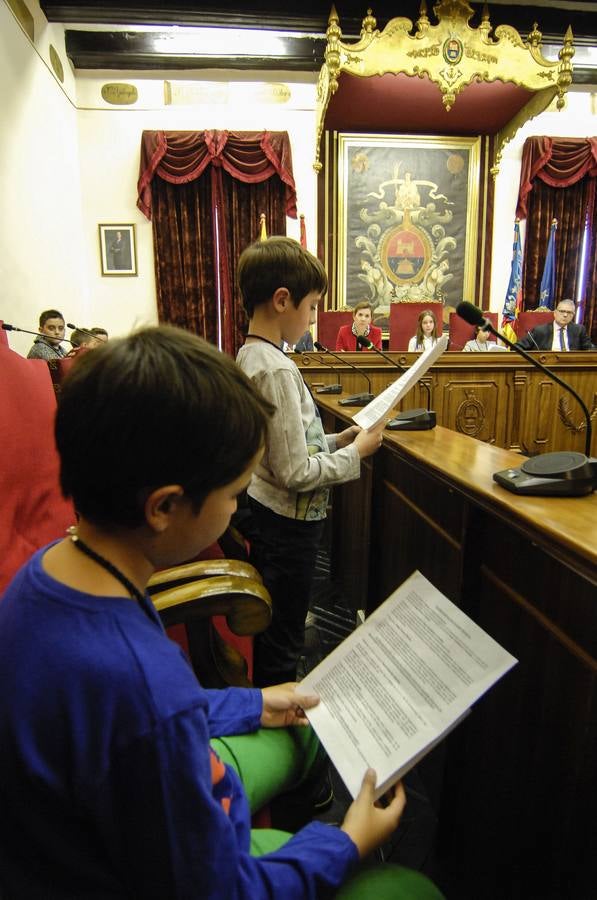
(561, 334)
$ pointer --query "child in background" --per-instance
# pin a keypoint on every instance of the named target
(109, 787)
(426, 336)
(281, 284)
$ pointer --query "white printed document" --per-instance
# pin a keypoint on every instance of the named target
(402, 680)
(372, 414)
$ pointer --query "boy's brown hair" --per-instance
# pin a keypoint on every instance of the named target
(278, 262)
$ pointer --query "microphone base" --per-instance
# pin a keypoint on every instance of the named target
(357, 400)
(330, 389)
(413, 420)
(566, 474)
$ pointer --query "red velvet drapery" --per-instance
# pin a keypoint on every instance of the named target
(558, 162)
(195, 242)
(182, 156)
(558, 179)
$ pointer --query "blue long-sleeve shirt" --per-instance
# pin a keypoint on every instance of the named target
(108, 787)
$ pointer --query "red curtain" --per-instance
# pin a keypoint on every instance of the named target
(557, 180)
(204, 192)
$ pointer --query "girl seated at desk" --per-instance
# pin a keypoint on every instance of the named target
(426, 336)
(481, 343)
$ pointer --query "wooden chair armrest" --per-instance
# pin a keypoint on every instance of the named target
(205, 568)
(244, 602)
(246, 605)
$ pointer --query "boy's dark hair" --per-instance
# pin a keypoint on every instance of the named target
(159, 407)
(98, 330)
(78, 337)
(362, 304)
(49, 314)
(278, 262)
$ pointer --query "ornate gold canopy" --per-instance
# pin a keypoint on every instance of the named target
(451, 54)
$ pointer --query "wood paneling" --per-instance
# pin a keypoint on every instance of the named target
(498, 398)
(519, 776)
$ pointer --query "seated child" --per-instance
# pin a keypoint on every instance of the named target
(481, 342)
(361, 324)
(426, 336)
(281, 284)
(109, 787)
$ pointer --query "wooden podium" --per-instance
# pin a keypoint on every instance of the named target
(519, 776)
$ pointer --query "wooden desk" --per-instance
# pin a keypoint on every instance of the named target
(519, 786)
(498, 398)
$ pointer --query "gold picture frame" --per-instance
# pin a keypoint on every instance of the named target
(118, 250)
(404, 220)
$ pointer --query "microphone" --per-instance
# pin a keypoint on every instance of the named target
(328, 388)
(413, 419)
(529, 334)
(355, 399)
(561, 474)
(7, 327)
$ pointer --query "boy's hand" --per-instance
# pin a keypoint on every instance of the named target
(367, 442)
(283, 706)
(346, 437)
(368, 823)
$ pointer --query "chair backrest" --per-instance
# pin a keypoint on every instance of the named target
(530, 319)
(403, 321)
(33, 511)
(328, 325)
(460, 331)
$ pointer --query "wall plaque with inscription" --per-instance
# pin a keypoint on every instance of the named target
(120, 94)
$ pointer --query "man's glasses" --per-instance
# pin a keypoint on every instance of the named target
(565, 312)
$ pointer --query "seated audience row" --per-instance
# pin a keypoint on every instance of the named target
(52, 330)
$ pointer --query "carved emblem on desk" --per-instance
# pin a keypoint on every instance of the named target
(565, 414)
(470, 415)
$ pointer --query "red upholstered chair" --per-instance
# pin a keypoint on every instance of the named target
(328, 325)
(33, 511)
(460, 331)
(3, 336)
(403, 321)
(530, 319)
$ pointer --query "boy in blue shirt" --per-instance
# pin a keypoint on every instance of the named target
(109, 785)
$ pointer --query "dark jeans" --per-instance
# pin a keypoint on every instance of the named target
(284, 551)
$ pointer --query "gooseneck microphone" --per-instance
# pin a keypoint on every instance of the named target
(327, 388)
(355, 399)
(563, 474)
(413, 419)
(7, 327)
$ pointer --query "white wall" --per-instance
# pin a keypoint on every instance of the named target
(41, 249)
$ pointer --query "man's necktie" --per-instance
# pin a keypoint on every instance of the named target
(562, 343)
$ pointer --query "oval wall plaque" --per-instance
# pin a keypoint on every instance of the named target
(56, 63)
(120, 94)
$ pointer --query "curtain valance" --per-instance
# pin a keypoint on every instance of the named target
(182, 156)
(559, 162)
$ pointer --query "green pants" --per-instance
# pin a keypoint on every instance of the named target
(274, 761)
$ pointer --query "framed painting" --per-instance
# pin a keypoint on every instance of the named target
(118, 252)
(407, 220)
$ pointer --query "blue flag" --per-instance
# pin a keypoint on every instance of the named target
(547, 291)
(513, 302)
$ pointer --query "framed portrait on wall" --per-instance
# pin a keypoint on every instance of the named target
(407, 213)
(118, 253)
